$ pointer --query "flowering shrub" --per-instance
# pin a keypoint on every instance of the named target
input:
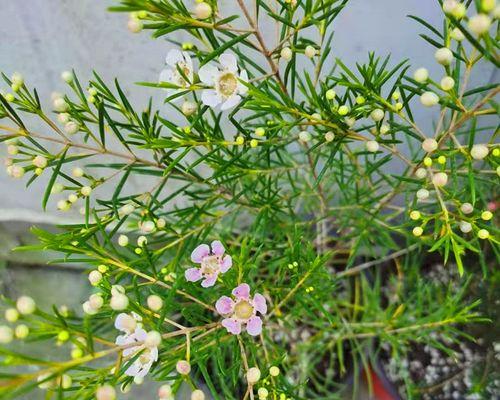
(317, 190)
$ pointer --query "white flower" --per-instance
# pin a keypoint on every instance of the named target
(225, 87)
(177, 61)
(147, 355)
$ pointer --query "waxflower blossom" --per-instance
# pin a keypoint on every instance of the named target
(212, 262)
(224, 83)
(134, 333)
(242, 310)
(177, 61)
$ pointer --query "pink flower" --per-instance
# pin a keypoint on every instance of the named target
(242, 311)
(212, 262)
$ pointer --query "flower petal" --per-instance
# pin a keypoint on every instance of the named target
(166, 75)
(193, 274)
(217, 248)
(173, 57)
(231, 102)
(210, 98)
(209, 281)
(133, 370)
(207, 74)
(259, 303)
(229, 62)
(242, 89)
(227, 262)
(201, 251)
(120, 322)
(254, 326)
(232, 325)
(242, 291)
(224, 305)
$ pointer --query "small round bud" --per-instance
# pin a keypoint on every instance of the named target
(442, 160)
(86, 191)
(9, 97)
(377, 115)
(63, 117)
(422, 194)
(457, 34)
(330, 94)
(65, 381)
(483, 234)
(22, 331)
(95, 302)
(148, 226)
(118, 302)
(16, 171)
(240, 140)
(11, 315)
(17, 79)
(427, 161)
(202, 10)
(102, 268)
(165, 392)
(12, 149)
(189, 108)
(479, 24)
(421, 75)
(329, 136)
(127, 209)
(25, 305)
(40, 162)
(310, 51)
(360, 100)
(486, 215)
(135, 25)
(260, 131)
(105, 392)
(153, 339)
(274, 371)
(286, 53)
(449, 6)
(465, 226)
(63, 205)
(123, 240)
(155, 303)
(429, 99)
(262, 393)
(142, 241)
(95, 277)
(467, 208)
(488, 5)
(183, 367)
(72, 198)
(60, 104)
(71, 127)
(415, 215)
(479, 151)
(460, 11)
(6, 334)
(443, 56)
(417, 231)
(350, 122)
(429, 145)
(253, 375)
(197, 395)
(384, 129)
(161, 223)
(67, 76)
(440, 179)
(343, 110)
(421, 173)
(304, 136)
(372, 146)
(63, 336)
(447, 83)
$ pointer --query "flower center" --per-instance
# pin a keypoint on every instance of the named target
(227, 84)
(209, 265)
(145, 357)
(243, 310)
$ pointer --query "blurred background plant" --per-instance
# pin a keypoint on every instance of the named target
(369, 234)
